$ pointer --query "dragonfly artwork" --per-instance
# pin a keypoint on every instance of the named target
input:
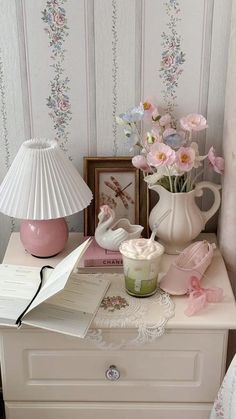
(120, 192)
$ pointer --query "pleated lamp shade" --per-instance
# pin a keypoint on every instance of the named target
(42, 184)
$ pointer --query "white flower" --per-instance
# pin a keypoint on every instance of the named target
(174, 170)
(133, 115)
(120, 121)
(198, 159)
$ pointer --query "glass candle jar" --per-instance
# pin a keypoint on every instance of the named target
(141, 263)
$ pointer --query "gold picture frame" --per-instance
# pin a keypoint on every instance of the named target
(107, 177)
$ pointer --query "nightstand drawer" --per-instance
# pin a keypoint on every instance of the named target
(180, 366)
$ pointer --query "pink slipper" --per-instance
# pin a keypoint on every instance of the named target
(193, 261)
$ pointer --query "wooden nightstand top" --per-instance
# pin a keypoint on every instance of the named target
(213, 316)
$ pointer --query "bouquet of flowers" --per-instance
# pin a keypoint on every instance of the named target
(167, 153)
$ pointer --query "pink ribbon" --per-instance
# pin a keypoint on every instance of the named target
(199, 297)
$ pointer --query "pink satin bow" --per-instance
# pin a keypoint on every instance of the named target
(199, 297)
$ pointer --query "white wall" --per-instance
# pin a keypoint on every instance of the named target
(109, 55)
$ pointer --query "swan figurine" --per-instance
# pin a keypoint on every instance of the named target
(110, 235)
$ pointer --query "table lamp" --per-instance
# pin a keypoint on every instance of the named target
(41, 187)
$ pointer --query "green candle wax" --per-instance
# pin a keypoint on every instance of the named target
(140, 288)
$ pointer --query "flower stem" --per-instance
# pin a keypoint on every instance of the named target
(190, 136)
(188, 182)
(184, 184)
(175, 183)
(170, 181)
(133, 125)
(194, 179)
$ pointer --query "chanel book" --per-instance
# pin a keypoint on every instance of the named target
(99, 257)
(54, 299)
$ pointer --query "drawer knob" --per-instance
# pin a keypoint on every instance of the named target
(112, 374)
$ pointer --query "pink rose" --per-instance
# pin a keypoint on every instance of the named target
(63, 105)
(140, 162)
(217, 163)
(167, 61)
(160, 155)
(185, 158)
(59, 19)
(193, 122)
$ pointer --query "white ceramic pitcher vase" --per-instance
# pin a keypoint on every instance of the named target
(185, 220)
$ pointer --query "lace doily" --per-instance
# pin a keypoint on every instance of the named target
(120, 310)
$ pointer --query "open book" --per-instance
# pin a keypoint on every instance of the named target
(54, 299)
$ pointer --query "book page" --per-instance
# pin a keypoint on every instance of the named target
(56, 319)
(18, 285)
(72, 310)
(82, 293)
(59, 276)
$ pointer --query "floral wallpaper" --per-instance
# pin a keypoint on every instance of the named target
(59, 28)
(3, 111)
(4, 136)
(114, 42)
(172, 55)
(58, 101)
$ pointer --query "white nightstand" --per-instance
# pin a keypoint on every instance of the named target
(48, 375)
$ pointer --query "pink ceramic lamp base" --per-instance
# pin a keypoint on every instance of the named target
(44, 238)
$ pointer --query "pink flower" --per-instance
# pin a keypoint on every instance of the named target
(140, 162)
(148, 105)
(155, 114)
(160, 155)
(167, 61)
(193, 122)
(185, 158)
(165, 120)
(63, 105)
(217, 163)
(59, 19)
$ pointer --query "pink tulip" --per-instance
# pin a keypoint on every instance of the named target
(140, 162)
(185, 158)
(193, 122)
(217, 163)
(160, 155)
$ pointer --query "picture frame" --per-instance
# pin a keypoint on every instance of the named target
(107, 177)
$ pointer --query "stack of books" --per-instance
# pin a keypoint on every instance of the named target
(97, 259)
